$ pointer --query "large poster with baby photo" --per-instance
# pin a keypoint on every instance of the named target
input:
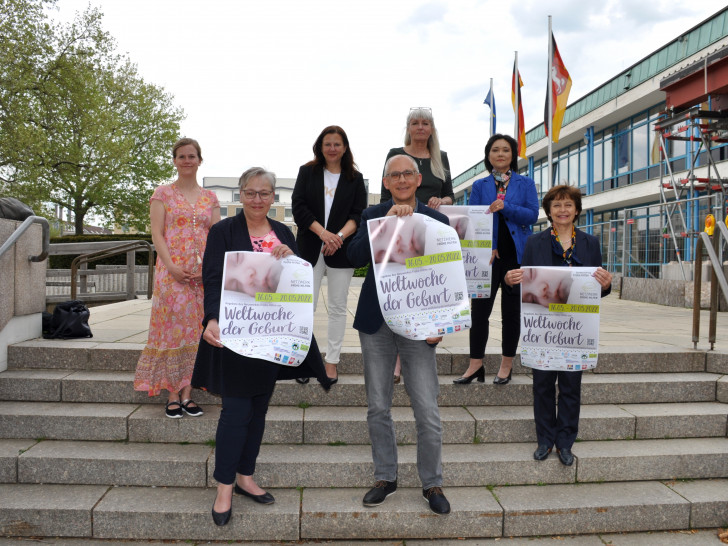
(559, 318)
(266, 307)
(474, 226)
(418, 269)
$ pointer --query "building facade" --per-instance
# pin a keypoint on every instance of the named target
(609, 149)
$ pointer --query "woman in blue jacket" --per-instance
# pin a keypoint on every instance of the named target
(514, 202)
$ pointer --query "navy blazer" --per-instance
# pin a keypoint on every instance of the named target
(539, 252)
(218, 369)
(350, 200)
(520, 208)
(368, 318)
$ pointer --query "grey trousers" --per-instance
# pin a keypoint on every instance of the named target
(419, 369)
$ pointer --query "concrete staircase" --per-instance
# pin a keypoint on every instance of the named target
(83, 455)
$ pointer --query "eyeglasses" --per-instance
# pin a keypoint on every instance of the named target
(407, 175)
(250, 194)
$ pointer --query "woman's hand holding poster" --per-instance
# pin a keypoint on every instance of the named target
(559, 318)
(474, 226)
(266, 307)
(418, 270)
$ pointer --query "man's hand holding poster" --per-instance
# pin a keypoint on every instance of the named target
(418, 269)
(559, 318)
(474, 226)
(266, 307)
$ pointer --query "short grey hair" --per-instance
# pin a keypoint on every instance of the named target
(254, 172)
(400, 156)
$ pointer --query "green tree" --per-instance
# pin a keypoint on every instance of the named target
(79, 127)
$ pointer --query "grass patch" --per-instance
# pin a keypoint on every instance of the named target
(304, 405)
(337, 443)
(210, 443)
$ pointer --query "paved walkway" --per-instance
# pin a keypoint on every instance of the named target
(623, 324)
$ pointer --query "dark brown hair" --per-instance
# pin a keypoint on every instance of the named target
(514, 151)
(348, 167)
(557, 193)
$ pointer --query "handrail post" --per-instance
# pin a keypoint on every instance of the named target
(714, 295)
(697, 282)
(130, 275)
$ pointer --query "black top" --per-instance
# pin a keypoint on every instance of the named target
(368, 318)
(218, 369)
(431, 185)
(350, 200)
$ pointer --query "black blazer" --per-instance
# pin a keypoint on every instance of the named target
(218, 369)
(350, 200)
(538, 251)
(368, 318)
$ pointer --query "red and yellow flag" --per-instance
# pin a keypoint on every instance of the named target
(560, 87)
(516, 90)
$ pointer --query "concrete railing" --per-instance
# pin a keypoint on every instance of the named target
(22, 281)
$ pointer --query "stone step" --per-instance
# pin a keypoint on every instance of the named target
(92, 386)
(92, 355)
(144, 513)
(347, 425)
(295, 465)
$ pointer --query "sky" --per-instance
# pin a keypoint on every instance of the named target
(259, 79)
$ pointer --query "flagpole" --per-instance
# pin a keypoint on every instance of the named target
(492, 117)
(516, 133)
(550, 100)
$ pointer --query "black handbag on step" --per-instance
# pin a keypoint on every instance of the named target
(69, 320)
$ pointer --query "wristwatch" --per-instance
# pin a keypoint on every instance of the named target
(341, 234)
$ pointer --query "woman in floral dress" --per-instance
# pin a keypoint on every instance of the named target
(181, 214)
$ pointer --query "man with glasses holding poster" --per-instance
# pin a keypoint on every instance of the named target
(380, 346)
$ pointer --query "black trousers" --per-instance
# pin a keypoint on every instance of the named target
(554, 427)
(239, 435)
(510, 312)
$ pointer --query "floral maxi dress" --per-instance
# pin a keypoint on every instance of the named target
(175, 325)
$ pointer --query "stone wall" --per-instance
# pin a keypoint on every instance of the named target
(673, 293)
(22, 287)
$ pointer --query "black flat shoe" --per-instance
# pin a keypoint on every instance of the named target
(221, 518)
(566, 456)
(302, 380)
(265, 498)
(542, 452)
(502, 380)
(479, 375)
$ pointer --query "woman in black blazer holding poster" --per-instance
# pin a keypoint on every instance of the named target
(563, 245)
(245, 384)
(328, 199)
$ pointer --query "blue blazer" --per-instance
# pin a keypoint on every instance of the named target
(520, 208)
(539, 252)
(368, 318)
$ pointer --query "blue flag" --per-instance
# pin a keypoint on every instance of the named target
(490, 101)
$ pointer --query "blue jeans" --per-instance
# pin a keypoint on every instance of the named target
(239, 434)
(379, 352)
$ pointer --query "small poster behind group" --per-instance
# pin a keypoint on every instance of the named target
(418, 269)
(266, 307)
(559, 318)
(474, 226)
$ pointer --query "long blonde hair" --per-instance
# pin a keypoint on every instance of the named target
(433, 143)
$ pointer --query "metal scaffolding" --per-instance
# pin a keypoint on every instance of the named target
(700, 130)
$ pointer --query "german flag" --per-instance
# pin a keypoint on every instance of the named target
(516, 89)
(560, 83)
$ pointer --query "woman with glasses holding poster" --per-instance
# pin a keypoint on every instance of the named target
(563, 245)
(328, 199)
(422, 144)
(514, 203)
(245, 384)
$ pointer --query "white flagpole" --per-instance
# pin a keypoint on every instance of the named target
(550, 100)
(515, 70)
(492, 118)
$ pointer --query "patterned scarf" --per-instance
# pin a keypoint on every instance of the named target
(501, 181)
(568, 254)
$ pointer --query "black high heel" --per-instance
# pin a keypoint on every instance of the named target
(479, 375)
(502, 380)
